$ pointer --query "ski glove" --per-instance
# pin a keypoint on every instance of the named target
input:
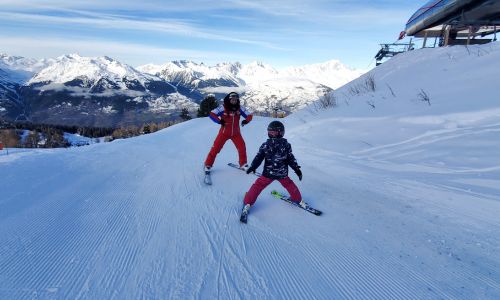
(222, 122)
(251, 170)
(244, 122)
(299, 173)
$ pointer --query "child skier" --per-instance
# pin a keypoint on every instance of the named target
(277, 153)
(228, 116)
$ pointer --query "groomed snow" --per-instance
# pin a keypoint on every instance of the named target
(410, 195)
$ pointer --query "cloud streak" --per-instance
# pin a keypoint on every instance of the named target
(168, 26)
(129, 53)
(271, 29)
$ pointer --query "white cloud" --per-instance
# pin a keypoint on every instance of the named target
(132, 54)
(107, 21)
(279, 30)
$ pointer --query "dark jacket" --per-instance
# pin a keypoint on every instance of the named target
(278, 155)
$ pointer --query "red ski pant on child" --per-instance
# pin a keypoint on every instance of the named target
(219, 142)
(262, 182)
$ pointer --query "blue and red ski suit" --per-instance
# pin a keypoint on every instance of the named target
(229, 131)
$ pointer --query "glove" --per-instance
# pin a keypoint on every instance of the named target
(251, 170)
(299, 173)
(222, 122)
(244, 122)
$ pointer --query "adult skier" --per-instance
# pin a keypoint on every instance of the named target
(228, 116)
(277, 155)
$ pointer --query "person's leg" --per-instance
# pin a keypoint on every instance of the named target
(292, 189)
(219, 142)
(241, 147)
(254, 191)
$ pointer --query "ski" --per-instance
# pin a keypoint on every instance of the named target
(208, 178)
(238, 167)
(244, 217)
(287, 199)
(244, 214)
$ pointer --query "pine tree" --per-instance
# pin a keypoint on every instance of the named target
(206, 105)
(185, 114)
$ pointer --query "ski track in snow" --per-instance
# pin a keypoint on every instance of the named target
(111, 226)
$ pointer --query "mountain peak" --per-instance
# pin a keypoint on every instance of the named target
(69, 56)
(71, 66)
(331, 73)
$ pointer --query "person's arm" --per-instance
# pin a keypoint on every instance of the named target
(216, 114)
(245, 114)
(258, 159)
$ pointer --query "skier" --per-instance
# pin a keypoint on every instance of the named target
(278, 156)
(228, 116)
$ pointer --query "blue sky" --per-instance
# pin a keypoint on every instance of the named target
(278, 32)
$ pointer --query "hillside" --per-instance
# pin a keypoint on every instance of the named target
(409, 189)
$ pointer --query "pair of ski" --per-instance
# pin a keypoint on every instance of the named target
(208, 176)
(244, 213)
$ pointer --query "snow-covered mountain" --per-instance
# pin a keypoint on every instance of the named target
(99, 91)
(10, 101)
(256, 72)
(332, 73)
(97, 76)
(22, 69)
(287, 93)
(263, 87)
(405, 168)
(196, 76)
(14, 72)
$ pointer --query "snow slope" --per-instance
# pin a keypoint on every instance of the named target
(410, 194)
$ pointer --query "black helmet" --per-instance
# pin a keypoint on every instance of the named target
(275, 129)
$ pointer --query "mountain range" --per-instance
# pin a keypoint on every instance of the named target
(101, 91)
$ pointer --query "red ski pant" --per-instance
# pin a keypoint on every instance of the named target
(262, 182)
(219, 142)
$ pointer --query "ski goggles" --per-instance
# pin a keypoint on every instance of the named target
(274, 133)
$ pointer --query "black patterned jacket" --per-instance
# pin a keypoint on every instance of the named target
(278, 155)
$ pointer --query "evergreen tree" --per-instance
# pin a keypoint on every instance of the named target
(185, 114)
(206, 105)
